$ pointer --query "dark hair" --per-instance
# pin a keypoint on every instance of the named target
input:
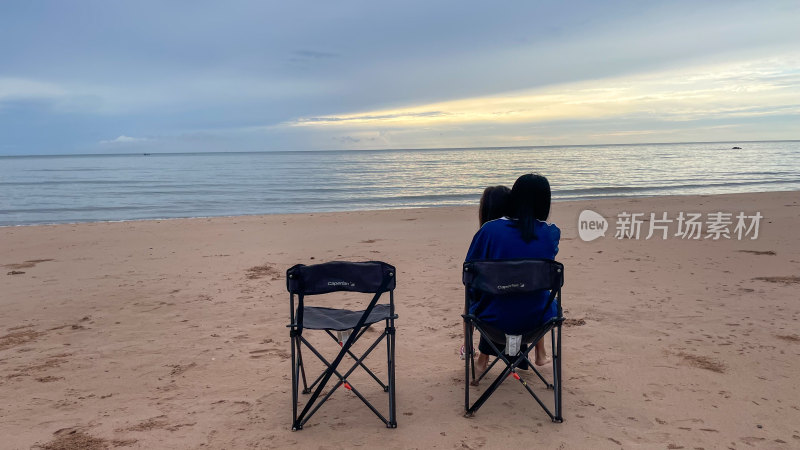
(494, 203)
(530, 201)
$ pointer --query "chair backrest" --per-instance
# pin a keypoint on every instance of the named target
(513, 276)
(368, 277)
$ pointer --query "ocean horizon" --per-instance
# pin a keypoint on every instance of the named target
(50, 189)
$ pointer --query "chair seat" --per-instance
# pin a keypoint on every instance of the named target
(319, 318)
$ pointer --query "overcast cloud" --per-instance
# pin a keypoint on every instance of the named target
(99, 76)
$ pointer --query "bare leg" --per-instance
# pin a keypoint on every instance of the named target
(541, 358)
(480, 365)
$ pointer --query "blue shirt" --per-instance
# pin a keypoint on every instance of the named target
(500, 239)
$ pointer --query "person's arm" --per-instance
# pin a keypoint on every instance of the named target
(478, 249)
(556, 240)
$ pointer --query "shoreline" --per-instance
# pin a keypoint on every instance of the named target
(555, 200)
(171, 333)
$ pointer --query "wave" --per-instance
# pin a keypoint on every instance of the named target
(609, 191)
(87, 188)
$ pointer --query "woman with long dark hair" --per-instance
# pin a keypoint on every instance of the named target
(524, 234)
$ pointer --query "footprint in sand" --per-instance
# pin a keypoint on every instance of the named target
(262, 271)
(787, 280)
(574, 322)
(788, 337)
(149, 424)
(703, 362)
(27, 264)
(474, 443)
(155, 423)
(282, 354)
(20, 337)
(237, 407)
(68, 438)
(178, 369)
(48, 379)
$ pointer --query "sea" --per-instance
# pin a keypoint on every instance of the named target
(121, 187)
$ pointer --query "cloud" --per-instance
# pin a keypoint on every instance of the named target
(367, 118)
(122, 139)
(313, 54)
(736, 90)
(27, 89)
(281, 75)
(347, 139)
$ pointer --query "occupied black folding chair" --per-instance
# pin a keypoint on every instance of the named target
(502, 277)
(373, 277)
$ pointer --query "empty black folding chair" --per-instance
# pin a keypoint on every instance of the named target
(373, 277)
(518, 276)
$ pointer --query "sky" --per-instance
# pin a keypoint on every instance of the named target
(175, 76)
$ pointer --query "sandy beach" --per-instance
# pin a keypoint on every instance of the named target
(172, 333)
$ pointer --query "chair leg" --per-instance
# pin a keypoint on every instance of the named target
(306, 390)
(557, 374)
(467, 361)
(468, 344)
(317, 399)
(389, 358)
(489, 391)
(510, 369)
(539, 374)
(355, 358)
(390, 347)
(295, 386)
